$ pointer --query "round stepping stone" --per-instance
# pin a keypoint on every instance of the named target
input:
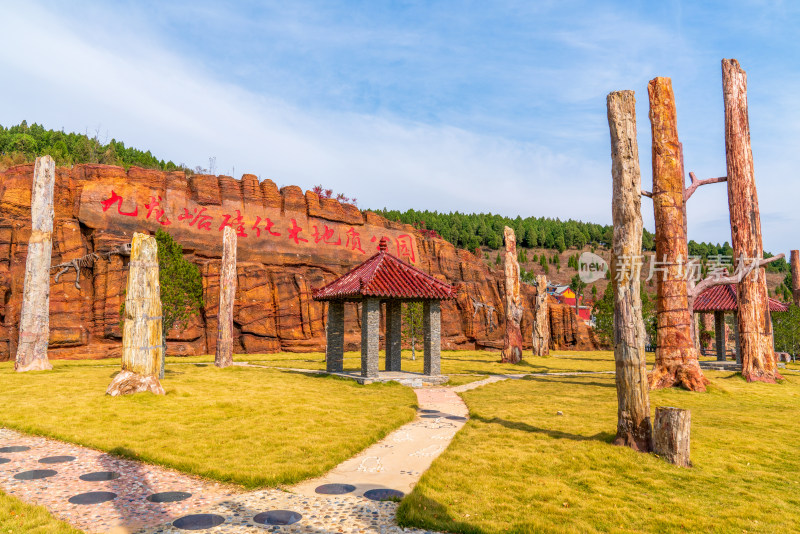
(278, 517)
(56, 459)
(93, 497)
(36, 474)
(4, 460)
(15, 448)
(456, 418)
(335, 489)
(198, 521)
(431, 416)
(169, 496)
(429, 411)
(383, 494)
(100, 476)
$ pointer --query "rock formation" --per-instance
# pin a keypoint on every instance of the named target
(289, 242)
(142, 347)
(34, 324)
(512, 342)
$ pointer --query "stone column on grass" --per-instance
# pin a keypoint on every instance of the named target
(227, 297)
(393, 310)
(432, 323)
(334, 347)
(142, 350)
(34, 323)
(370, 337)
(719, 335)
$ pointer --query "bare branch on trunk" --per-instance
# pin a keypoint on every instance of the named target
(689, 191)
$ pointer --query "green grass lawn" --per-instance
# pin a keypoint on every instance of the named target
(253, 427)
(518, 467)
(18, 517)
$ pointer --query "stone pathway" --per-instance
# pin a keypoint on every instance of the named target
(100, 493)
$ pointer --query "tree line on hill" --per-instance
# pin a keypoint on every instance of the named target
(474, 230)
(23, 144)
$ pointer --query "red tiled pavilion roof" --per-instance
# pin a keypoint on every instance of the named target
(385, 276)
(723, 298)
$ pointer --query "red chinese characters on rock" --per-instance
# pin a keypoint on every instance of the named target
(323, 234)
(268, 224)
(116, 199)
(197, 217)
(326, 236)
(405, 247)
(237, 223)
(294, 233)
(155, 206)
(354, 240)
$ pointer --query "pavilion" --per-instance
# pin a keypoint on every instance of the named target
(722, 299)
(383, 278)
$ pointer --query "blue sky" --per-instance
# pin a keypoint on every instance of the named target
(472, 106)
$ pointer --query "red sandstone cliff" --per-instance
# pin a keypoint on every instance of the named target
(289, 243)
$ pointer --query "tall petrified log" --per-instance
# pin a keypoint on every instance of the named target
(227, 296)
(633, 400)
(541, 319)
(512, 342)
(142, 349)
(676, 356)
(34, 323)
(755, 323)
(795, 263)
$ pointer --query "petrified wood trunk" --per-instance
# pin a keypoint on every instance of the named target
(633, 400)
(34, 323)
(676, 356)
(541, 319)
(755, 323)
(671, 433)
(142, 349)
(512, 342)
(227, 297)
(795, 263)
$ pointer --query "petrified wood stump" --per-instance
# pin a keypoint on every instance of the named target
(34, 324)
(676, 356)
(671, 433)
(227, 298)
(142, 348)
(795, 263)
(755, 323)
(633, 400)
(512, 342)
(541, 319)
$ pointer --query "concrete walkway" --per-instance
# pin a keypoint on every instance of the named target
(147, 499)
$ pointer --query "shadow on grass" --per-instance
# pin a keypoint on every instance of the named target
(419, 511)
(605, 437)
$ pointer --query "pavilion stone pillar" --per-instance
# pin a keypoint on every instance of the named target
(432, 323)
(370, 337)
(736, 337)
(719, 334)
(393, 311)
(334, 348)
(34, 323)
